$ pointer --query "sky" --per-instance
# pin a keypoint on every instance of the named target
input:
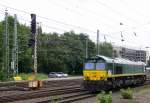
(87, 16)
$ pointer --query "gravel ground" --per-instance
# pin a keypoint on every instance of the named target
(141, 95)
(94, 99)
(19, 91)
(6, 93)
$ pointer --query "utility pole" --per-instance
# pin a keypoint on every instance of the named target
(6, 46)
(6, 64)
(140, 52)
(105, 38)
(97, 42)
(86, 51)
(35, 52)
(14, 63)
(122, 40)
(33, 41)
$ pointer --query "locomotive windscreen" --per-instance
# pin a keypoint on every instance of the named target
(100, 66)
(89, 66)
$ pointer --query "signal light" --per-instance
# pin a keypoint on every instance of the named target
(33, 23)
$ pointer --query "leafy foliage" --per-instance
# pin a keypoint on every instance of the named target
(148, 63)
(104, 97)
(106, 49)
(127, 93)
(56, 52)
(63, 53)
(2, 76)
(24, 52)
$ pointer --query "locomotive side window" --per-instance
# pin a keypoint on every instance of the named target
(118, 69)
(110, 68)
(89, 66)
(100, 66)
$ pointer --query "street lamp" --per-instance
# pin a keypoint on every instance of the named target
(122, 40)
(86, 49)
(113, 54)
(147, 56)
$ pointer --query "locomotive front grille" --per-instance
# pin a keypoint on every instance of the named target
(94, 75)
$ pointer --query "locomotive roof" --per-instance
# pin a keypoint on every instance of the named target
(120, 60)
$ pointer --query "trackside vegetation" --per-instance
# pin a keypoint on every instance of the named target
(127, 93)
(104, 97)
(39, 76)
(56, 52)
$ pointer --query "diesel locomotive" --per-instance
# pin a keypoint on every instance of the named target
(104, 73)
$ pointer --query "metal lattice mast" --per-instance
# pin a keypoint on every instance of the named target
(6, 44)
(35, 51)
(33, 41)
(97, 42)
(86, 51)
(16, 45)
(14, 63)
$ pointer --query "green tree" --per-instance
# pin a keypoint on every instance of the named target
(148, 63)
(1, 55)
(106, 49)
(56, 52)
(25, 57)
(63, 53)
(23, 34)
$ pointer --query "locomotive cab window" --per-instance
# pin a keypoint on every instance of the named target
(100, 66)
(89, 66)
(118, 69)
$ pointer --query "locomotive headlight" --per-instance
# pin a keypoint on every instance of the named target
(86, 78)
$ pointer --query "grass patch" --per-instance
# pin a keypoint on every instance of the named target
(39, 76)
(104, 97)
(127, 93)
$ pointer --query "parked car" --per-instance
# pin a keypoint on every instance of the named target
(63, 74)
(54, 75)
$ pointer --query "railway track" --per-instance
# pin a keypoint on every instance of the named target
(50, 83)
(40, 93)
(147, 81)
(77, 97)
(69, 98)
(54, 90)
(13, 83)
(23, 86)
(50, 88)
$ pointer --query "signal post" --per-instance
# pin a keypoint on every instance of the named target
(34, 83)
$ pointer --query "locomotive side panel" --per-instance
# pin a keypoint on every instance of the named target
(107, 73)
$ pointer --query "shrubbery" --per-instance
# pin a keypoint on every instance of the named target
(104, 97)
(2, 76)
(127, 93)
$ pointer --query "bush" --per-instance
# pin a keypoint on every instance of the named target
(104, 97)
(2, 76)
(127, 93)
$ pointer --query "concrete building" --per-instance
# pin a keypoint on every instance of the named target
(131, 54)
